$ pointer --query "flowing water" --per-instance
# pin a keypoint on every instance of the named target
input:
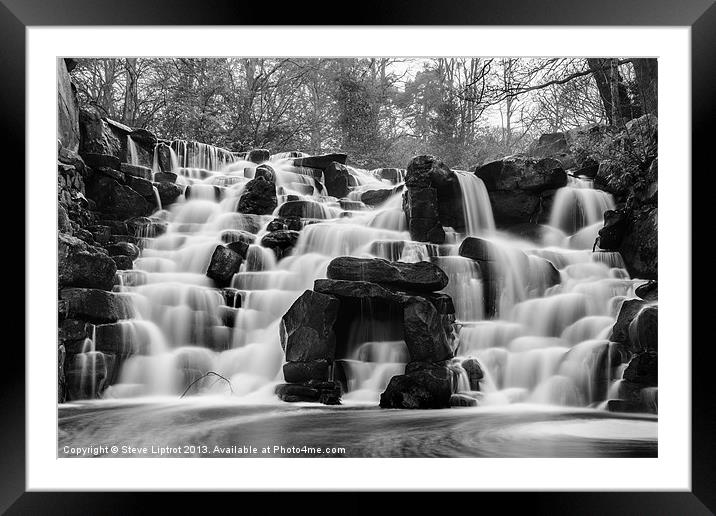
(540, 344)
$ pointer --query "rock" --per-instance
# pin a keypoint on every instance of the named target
(306, 329)
(303, 209)
(321, 162)
(116, 227)
(144, 227)
(258, 198)
(648, 291)
(265, 171)
(416, 277)
(612, 234)
(479, 249)
(123, 248)
(639, 247)
(101, 234)
(142, 186)
(421, 211)
(280, 241)
(474, 372)
(71, 330)
(240, 247)
(96, 136)
(94, 305)
(165, 177)
(644, 329)
(136, 171)
(628, 311)
(202, 191)
(123, 263)
(375, 197)
(144, 137)
(424, 333)
(646, 191)
(521, 173)
(613, 178)
(462, 400)
(70, 157)
(258, 155)
(393, 175)
(643, 370)
(337, 180)
(300, 372)
(94, 160)
(164, 158)
(168, 192)
(628, 406)
(112, 173)
(293, 223)
(81, 265)
(550, 145)
(237, 235)
(223, 265)
(428, 388)
(292, 392)
(68, 125)
(643, 132)
(63, 220)
(357, 289)
(116, 199)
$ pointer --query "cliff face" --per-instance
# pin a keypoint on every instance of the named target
(68, 124)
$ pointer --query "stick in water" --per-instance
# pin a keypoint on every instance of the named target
(204, 376)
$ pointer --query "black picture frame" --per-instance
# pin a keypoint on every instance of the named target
(700, 15)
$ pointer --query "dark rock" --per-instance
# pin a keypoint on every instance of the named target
(614, 178)
(123, 248)
(116, 199)
(426, 172)
(144, 227)
(421, 211)
(425, 335)
(237, 235)
(164, 157)
(303, 209)
(68, 127)
(200, 189)
(165, 177)
(258, 198)
(644, 329)
(550, 144)
(258, 155)
(418, 277)
(428, 388)
(82, 265)
(628, 311)
(101, 234)
(349, 205)
(628, 406)
(612, 234)
(306, 329)
(300, 372)
(266, 171)
(639, 247)
(94, 160)
(168, 192)
(116, 227)
(122, 262)
(646, 191)
(462, 400)
(643, 370)
(293, 392)
(648, 291)
(280, 241)
(511, 207)
(474, 372)
(63, 220)
(521, 173)
(144, 137)
(112, 173)
(337, 179)
(357, 289)
(643, 133)
(240, 247)
(375, 197)
(137, 171)
(223, 265)
(97, 137)
(74, 330)
(478, 249)
(142, 186)
(390, 174)
(71, 157)
(589, 169)
(94, 305)
(320, 162)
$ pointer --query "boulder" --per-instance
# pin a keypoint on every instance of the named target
(294, 392)
(612, 234)
(142, 186)
(240, 247)
(96, 160)
(613, 177)
(462, 400)
(96, 136)
(94, 305)
(479, 249)
(337, 180)
(113, 198)
(63, 220)
(375, 197)
(144, 227)
(550, 145)
(644, 329)
(123, 263)
(301, 372)
(258, 198)
(144, 138)
(82, 265)
(522, 173)
(306, 330)
(414, 277)
(123, 248)
(165, 177)
(628, 311)
(639, 248)
(643, 370)
(265, 171)
(280, 241)
(136, 171)
(474, 372)
(71, 330)
(428, 388)
(258, 155)
(293, 223)
(357, 289)
(648, 291)
(223, 265)
(393, 175)
(303, 209)
(321, 162)
(168, 192)
(424, 332)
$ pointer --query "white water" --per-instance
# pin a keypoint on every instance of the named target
(579, 205)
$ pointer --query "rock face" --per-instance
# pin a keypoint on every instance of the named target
(424, 333)
(337, 179)
(415, 277)
(306, 330)
(68, 124)
(94, 305)
(521, 188)
(82, 265)
(639, 247)
(114, 198)
(258, 198)
(223, 265)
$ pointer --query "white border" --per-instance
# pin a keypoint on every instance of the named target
(670, 471)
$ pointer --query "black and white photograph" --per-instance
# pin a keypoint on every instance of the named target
(357, 257)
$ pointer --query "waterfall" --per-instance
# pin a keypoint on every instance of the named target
(578, 205)
(476, 204)
(132, 152)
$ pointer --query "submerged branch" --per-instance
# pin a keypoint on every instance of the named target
(204, 376)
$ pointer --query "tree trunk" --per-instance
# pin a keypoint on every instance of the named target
(646, 72)
(129, 113)
(612, 92)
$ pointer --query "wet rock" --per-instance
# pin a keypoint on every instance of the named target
(627, 406)
(116, 199)
(337, 180)
(293, 223)
(136, 171)
(357, 289)
(300, 372)
(303, 209)
(111, 173)
(240, 247)
(644, 329)
(265, 171)
(142, 186)
(168, 192)
(474, 372)
(320, 162)
(643, 370)
(259, 197)
(639, 247)
(101, 234)
(628, 311)
(478, 249)
(70, 157)
(165, 177)
(462, 400)
(237, 235)
(306, 329)
(223, 265)
(294, 392)
(648, 291)
(95, 160)
(421, 211)
(428, 388)
(375, 197)
(123, 263)
(144, 227)
(82, 265)
(424, 333)
(281, 241)
(612, 234)
(63, 220)
(522, 173)
(94, 305)
(416, 277)
(116, 227)
(258, 155)
(123, 248)
(71, 330)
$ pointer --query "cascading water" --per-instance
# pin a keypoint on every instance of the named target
(579, 206)
(132, 152)
(543, 340)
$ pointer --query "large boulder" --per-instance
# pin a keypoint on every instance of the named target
(301, 372)
(474, 372)
(266, 171)
(421, 212)
(116, 199)
(426, 388)
(612, 234)
(358, 290)
(628, 311)
(413, 277)
(425, 335)
(136, 171)
(168, 192)
(375, 197)
(258, 198)
(337, 179)
(82, 265)
(281, 241)
(639, 248)
(644, 329)
(94, 305)
(68, 125)
(96, 136)
(223, 265)
(321, 162)
(306, 330)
